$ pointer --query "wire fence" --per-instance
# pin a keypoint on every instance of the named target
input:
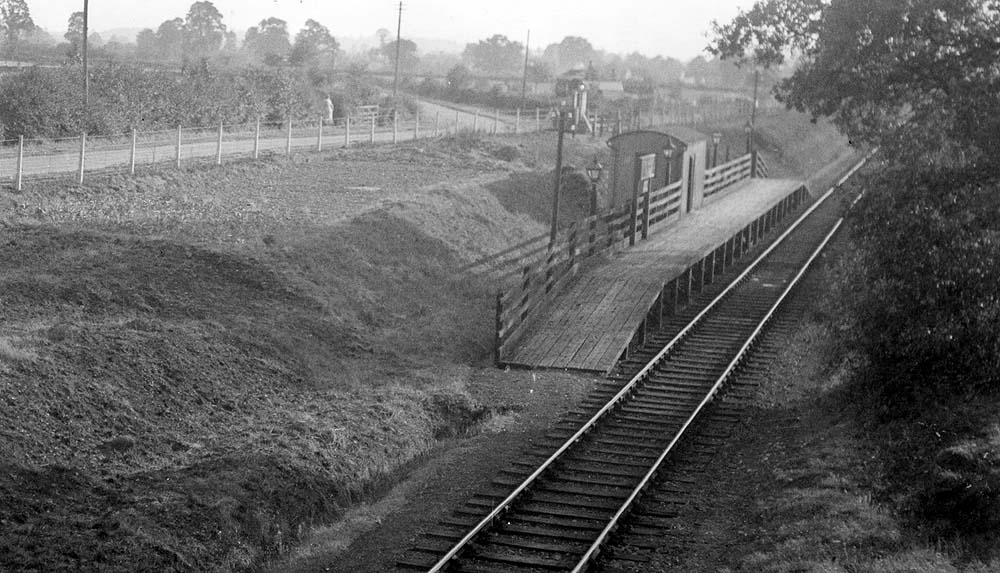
(75, 158)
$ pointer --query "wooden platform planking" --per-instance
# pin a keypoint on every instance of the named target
(590, 325)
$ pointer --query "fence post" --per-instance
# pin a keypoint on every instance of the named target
(497, 339)
(416, 127)
(288, 139)
(517, 122)
(347, 131)
(496, 121)
(178, 147)
(83, 156)
(256, 140)
(538, 119)
(437, 123)
(475, 122)
(131, 159)
(456, 121)
(20, 164)
(218, 148)
(395, 126)
(373, 129)
(753, 164)
(319, 136)
(645, 215)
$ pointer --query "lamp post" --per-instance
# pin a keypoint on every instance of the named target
(594, 171)
(716, 138)
(748, 129)
(668, 153)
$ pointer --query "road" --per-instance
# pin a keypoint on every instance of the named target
(61, 158)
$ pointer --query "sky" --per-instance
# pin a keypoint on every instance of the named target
(675, 28)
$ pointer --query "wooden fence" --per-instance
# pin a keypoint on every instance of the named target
(533, 272)
(721, 177)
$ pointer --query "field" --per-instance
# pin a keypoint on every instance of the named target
(199, 367)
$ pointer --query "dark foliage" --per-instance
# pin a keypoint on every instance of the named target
(925, 301)
(48, 102)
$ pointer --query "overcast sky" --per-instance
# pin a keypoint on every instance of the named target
(674, 28)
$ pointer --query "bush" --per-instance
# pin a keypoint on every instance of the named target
(926, 305)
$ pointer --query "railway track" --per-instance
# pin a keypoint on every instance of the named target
(558, 508)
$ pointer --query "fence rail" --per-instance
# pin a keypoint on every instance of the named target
(723, 176)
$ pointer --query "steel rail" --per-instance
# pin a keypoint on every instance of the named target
(595, 547)
(504, 505)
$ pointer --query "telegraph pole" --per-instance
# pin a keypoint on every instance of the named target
(524, 79)
(86, 74)
(399, 29)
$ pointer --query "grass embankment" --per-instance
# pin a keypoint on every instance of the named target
(197, 366)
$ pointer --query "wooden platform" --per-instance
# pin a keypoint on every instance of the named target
(591, 324)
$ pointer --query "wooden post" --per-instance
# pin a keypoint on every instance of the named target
(256, 140)
(437, 123)
(456, 121)
(347, 131)
(373, 129)
(218, 148)
(498, 338)
(645, 215)
(319, 136)
(288, 139)
(395, 126)
(517, 122)
(178, 147)
(496, 121)
(83, 156)
(19, 178)
(131, 158)
(475, 122)
(416, 127)
(538, 119)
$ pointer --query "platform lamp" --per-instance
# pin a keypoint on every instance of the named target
(748, 129)
(594, 171)
(716, 139)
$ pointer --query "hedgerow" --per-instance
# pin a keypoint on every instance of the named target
(48, 102)
(923, 295)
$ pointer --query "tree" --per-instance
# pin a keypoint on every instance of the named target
(170, 39)
(571, 52)
(146, 44)
(204, 31)
(74, 35)
(383, 36)
(315, 46)
(407, 54)
(918, 76)
(269, 41)
(15, 21)
(459, 78)
(74, 31)
(539, 72)
(495, 56)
